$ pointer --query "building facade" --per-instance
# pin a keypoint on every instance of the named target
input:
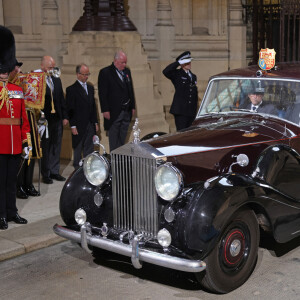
(213, 30)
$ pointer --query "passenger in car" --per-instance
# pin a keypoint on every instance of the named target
(293, 113)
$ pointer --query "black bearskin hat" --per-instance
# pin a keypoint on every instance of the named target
(7, 50)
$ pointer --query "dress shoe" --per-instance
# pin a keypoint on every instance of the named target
(21, 193)
(31, 191)
(3, 223)
(47, 180)
(17, 219)
(57, 177)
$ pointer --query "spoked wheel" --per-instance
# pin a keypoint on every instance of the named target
(232, 261)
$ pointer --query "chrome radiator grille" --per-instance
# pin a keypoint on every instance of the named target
(134, 194)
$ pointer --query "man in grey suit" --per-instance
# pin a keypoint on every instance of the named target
(82, 114)
(116, 99)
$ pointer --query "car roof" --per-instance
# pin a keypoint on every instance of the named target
(289, 70)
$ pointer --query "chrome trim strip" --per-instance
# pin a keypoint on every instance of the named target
(163, 260)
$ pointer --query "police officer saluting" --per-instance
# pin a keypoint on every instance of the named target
(184, 105)
(14, 131)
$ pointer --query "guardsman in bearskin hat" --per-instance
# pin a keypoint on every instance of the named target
(184, 105)
(14, 131)
(25, 185)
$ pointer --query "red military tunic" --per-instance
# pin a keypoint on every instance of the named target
(14, 125)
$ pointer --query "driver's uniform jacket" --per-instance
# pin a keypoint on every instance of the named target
(186, 93)
(14, 125)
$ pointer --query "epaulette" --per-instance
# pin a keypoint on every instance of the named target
(16, 94)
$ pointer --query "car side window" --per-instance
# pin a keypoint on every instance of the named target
(285, 174)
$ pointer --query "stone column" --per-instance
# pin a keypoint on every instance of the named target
(26, 16)
(50, 12)
(187, 17)
(1, 13)
(51, 29)
(236, 35)
(164, 32)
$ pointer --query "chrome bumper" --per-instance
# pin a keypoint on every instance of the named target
(136, 253)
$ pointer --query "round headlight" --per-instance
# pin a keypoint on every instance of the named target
(96, 169)
(164, 238)
(80, 216)
(168, 181)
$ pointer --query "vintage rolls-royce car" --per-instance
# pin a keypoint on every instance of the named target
(197, 200)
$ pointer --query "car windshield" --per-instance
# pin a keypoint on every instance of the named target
(257, 95)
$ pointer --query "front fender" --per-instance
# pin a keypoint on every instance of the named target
(211, 209)
(79, 193)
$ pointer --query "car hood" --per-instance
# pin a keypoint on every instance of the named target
(219, 133)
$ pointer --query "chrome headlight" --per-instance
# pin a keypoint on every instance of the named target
(168, 181)
(80, 216)
(96, 169)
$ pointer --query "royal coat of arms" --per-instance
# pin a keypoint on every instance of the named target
(266, 59)
(34, 88)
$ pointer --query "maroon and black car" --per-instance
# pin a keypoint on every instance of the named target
(197, 200)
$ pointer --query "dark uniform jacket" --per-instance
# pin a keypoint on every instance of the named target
(81, 109)
(266, 108)
(13, 136)
(186, 94)
(114, 93)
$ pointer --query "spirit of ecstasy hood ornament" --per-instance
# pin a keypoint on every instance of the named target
(136, 131)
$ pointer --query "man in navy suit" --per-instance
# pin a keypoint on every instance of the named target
(184, 105)
(116, 99)
(82, 114)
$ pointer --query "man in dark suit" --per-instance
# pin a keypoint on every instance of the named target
(82, 114)
(116, 99)
(56, 115)
(255, 94)
(184, 105)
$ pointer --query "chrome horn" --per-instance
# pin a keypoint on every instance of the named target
(55, 72)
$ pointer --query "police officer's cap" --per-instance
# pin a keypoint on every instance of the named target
(255, 87)
(184, 57)
(7, 50)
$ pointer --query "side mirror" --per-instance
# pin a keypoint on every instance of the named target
(241, 160)
(96, 141)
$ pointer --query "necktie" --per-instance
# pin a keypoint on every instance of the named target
(123, 75)
(190, 75)
(51, 86)
(85, 87)
(49, 83)
(254, 108)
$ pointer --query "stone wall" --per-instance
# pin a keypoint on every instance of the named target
(212, 30)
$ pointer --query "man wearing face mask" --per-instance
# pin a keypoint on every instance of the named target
(184, 105)
(14, 132)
